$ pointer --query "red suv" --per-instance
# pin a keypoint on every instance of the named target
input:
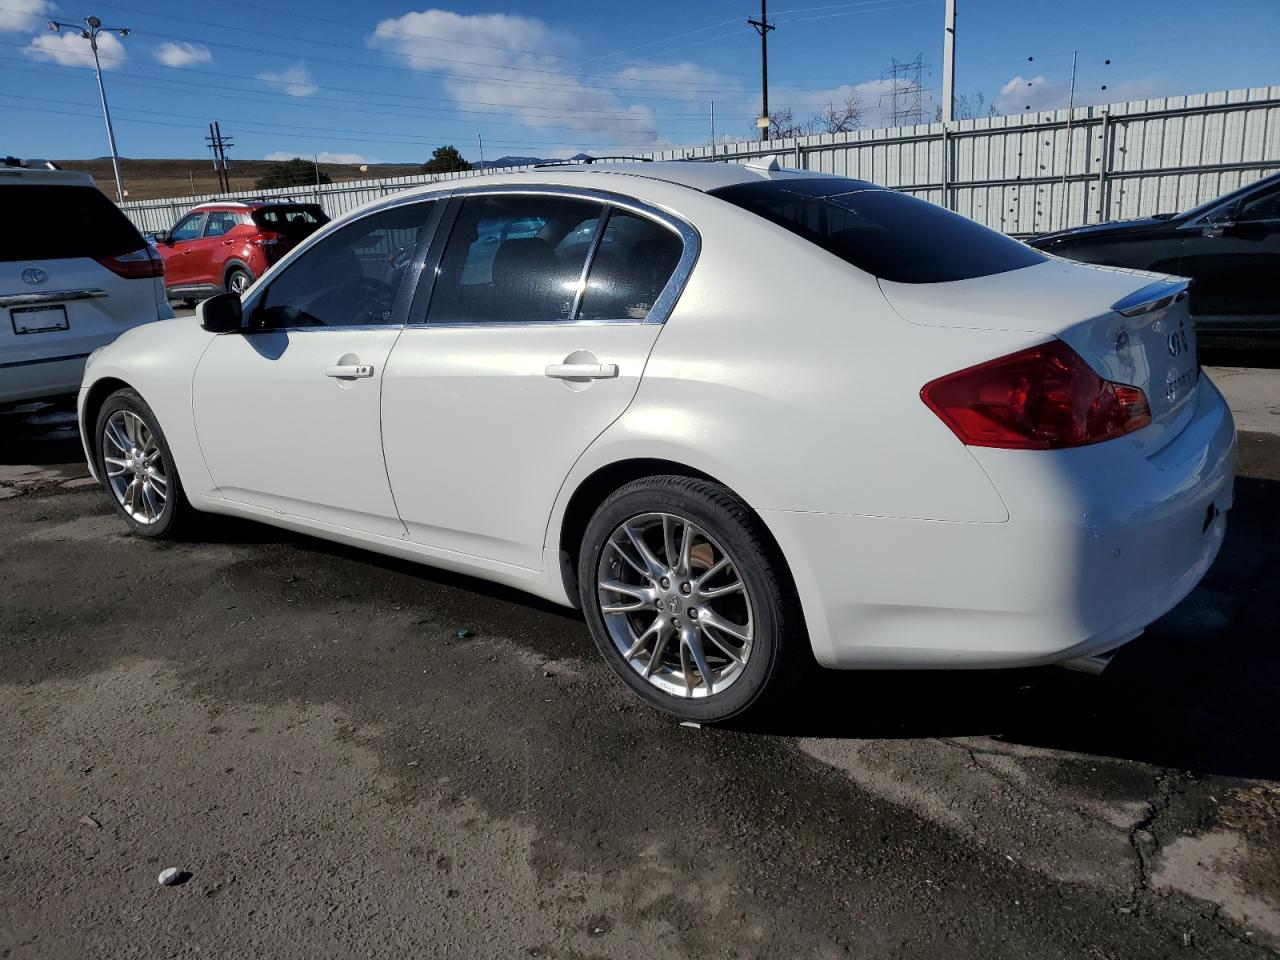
(226, 245)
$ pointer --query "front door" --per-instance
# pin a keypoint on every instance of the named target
(287, 412)
(1233, 256)
(520, 361)
(180, 248)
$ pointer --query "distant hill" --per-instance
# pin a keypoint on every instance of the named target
(149, 179)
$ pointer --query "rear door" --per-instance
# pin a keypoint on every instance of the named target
(65, 288)
(532, 341)
(216, 244)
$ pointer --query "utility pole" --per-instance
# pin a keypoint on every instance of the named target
(713, 128)
(93, 26)
(316, 158)
(1066, 158)
(221, 165)
(762, 27)
(949, 64)
(480, 140)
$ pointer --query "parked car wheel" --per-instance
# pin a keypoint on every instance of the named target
(137, 467)
(238, 281)
(686, 599)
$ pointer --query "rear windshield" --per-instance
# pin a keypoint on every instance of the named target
(53, 222)
(890, 235)
(302, 218)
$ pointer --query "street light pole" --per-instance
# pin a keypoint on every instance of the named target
(93, 26)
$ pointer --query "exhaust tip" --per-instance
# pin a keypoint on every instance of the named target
(1091, 665)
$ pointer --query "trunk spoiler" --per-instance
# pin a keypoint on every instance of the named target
(1154, 296)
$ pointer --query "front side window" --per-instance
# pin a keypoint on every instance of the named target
(1264, 205)
(219, 222)
(350, 278)
(512, 258)
(188, 228)
(632, 265)
(890, 235)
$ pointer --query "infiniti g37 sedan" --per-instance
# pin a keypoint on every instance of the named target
(744, 417)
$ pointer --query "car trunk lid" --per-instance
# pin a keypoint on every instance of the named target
(1131, 327)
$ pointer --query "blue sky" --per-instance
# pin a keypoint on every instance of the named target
(386, 80)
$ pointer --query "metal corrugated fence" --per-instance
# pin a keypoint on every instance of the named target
(1022, 174)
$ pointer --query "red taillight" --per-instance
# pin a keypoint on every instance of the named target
(267, 238)
(138, 265)
(1044, 398)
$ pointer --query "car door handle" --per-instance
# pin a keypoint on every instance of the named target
(349, 371)
(581, 371)
(227, 243)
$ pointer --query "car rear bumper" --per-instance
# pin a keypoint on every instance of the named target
(1100, 541)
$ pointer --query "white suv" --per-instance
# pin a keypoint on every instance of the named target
(74, 275)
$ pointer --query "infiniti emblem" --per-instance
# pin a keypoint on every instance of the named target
(34, 275)
(1178, 343)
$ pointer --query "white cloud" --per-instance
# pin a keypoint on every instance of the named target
(183, 54)
(1030, 94)
(513, 61)
(324, 157)
(295, 81)
(72, 50)
(24, 14)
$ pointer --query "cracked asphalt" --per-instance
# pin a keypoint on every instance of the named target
(298, 728)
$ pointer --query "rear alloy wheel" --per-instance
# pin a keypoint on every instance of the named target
(238, 281)
(687, 600)
(136, 466)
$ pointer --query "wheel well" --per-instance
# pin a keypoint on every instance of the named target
(93, 402)
(235, 265)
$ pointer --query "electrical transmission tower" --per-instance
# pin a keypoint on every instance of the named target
(904, 92)
(221, 163)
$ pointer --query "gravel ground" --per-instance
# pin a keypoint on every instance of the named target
(297, 728)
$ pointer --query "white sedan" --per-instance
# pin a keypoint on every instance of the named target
(744, 417)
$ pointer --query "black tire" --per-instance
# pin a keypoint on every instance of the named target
(238, 280)
(779, 650)
(176, 516)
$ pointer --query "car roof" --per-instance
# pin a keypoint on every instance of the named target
(44, 175)
(250, 204)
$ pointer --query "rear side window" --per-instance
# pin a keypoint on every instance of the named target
(890, 235)
(301, 219)
(54, 222)
(632, 265)
(513, 258)
(220, 222)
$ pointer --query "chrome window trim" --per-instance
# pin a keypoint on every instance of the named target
(408, 286)
(51, 296)
(662, 306)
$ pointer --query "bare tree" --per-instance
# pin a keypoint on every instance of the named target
(972, 105)
(842, 118)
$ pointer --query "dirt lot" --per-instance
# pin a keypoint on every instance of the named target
(297, 727)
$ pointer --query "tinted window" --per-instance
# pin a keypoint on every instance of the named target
(1261, 206)
(188, 227)
(350, 277)
(53, 222)
(889, 235)
(507, 259)
(220, 222)
(634, 261)
(296, 220)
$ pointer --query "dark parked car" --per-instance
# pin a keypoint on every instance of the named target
(1230, 247)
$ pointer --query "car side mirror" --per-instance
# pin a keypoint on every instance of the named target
(161, 236)
(222, 313)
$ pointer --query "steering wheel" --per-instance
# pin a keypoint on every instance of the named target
(373, 300)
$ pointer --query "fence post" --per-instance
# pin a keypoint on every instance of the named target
(946, 167)
(1104, 161)
(799, 155)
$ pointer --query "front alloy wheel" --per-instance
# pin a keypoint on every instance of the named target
(135, 466)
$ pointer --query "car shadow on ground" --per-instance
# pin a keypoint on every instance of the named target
(40, 434)
(1199, 691)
